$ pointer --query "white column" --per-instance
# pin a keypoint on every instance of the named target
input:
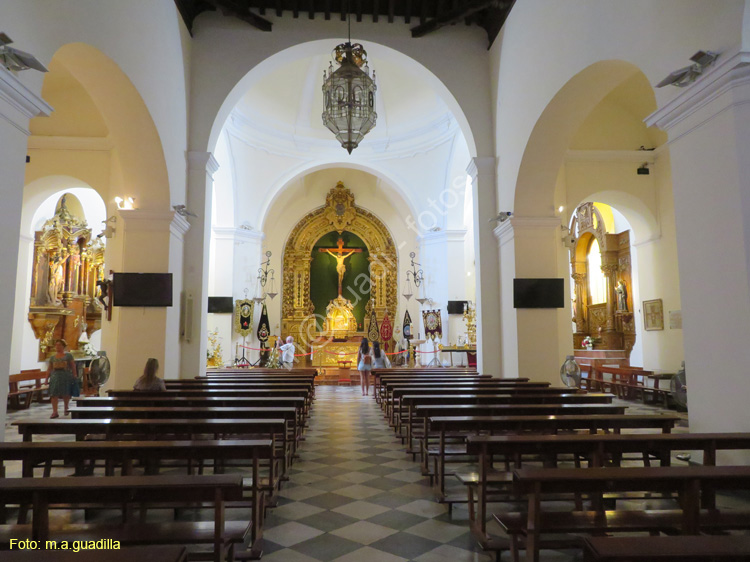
(709, 134)
(177, 231)
(142, 332)
(489, 350)
(21, 327)
(531, 247)
(237, 255)
(201, 167)
(18, 104)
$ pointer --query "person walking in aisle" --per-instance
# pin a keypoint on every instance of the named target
(364, 366)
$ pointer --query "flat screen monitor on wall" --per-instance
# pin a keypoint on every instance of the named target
(538, 293)
(220, 305)
(142, 289)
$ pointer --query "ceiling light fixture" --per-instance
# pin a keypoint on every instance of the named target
(349, 94)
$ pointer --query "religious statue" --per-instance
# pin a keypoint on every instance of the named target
(622, 296)
(339, 256)
(57, 277)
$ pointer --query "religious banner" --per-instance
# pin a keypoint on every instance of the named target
(433, 324)
(386, 331)
(373, 333)
(243, 317)
(263, 331)
(407, 326)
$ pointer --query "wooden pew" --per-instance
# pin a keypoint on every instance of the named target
(21, 394)
(598, 448)
(462, 402)
(161, 428)
(128, 554)
(693, 484)
(152, 454)
(227, 393)
(438, 428)
(290, 414)
(394, 392)
(43, 492)
(667, 549)
(379, 385)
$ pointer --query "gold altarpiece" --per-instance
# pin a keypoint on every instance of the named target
(338, 214)
(67, 266)
(611, 322)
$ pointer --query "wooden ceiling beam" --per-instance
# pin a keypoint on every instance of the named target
(407, 12)
(359, 10)
(451, 16)
(328, 10)
(295, 9)
(279, 8)
(391, 10)
(311, 9)
(241, 12)
(375, 11)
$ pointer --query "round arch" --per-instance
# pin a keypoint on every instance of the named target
(554, 130)
(294, 174)
(378, 50)
(642, 220)
(139, 162)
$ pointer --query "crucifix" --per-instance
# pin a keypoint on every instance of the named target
(338, 254)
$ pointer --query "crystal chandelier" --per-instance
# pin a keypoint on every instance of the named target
(349, 95)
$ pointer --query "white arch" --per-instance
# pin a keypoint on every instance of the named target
(377, 50)
(644, 224)
(309, 167)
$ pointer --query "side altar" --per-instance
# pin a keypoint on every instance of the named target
(340, 267)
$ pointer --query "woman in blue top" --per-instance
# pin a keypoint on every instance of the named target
(379, 358)
(364, 366)
(61, 370)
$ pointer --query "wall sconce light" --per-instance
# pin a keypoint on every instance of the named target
(109, 229)
(643, 170)
(127, 203)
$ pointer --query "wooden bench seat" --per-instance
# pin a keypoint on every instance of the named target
(41, 493)
(25, 387)
(667, 549)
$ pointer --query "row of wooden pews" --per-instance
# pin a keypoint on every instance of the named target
(469, 418)
(613, 469)
(220, 442)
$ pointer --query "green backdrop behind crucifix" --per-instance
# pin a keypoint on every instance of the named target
(340, 268)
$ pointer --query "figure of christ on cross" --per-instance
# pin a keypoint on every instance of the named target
(338, 254)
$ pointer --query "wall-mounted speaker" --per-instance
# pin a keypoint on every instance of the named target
(457, 307)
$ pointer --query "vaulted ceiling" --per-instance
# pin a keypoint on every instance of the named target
(427, 16)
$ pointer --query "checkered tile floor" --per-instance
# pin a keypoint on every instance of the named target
(355, 495)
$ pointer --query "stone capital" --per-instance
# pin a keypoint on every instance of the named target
(202, 162)
(480, 167)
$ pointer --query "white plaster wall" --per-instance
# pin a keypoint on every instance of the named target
(657, 37)
(146, 39)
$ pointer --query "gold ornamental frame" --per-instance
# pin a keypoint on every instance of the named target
(338, 214)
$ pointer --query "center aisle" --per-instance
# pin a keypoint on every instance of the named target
(355, 495)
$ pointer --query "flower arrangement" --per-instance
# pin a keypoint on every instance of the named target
(588, 342)
(89, 350)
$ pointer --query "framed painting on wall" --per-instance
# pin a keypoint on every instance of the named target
(653, 315)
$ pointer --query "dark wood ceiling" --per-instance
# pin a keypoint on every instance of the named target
(426, 16)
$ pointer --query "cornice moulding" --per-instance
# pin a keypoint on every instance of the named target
(732, 69)
(634, 156)
(18, 103)
(179, 226)
(147, 220)
(237, 234)
(481, 166)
